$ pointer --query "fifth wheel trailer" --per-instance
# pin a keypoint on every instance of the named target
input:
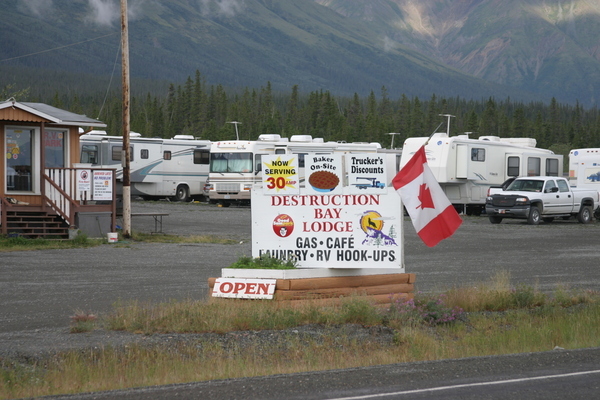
(465, 168)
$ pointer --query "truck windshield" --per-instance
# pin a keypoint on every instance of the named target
(526, 185)
(231, 162)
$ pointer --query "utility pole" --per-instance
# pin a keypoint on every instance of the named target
(126, 128)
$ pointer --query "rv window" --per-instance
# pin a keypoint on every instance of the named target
(552, 167)
(231, 162)
(477, 154)
(117, 153)
(301, 159)
(279, 151)
(89, 154)
(144, 154)
(202, 157)
(513, 166)
(166, 155)
(533, 166)
(257, 162)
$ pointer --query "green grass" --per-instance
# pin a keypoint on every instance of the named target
(21, 243)
(502, 319)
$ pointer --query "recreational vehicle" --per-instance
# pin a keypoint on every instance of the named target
(584, 170)
(174, 168)
(465, 168)
(235, 165)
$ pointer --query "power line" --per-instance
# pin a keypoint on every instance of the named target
(58, 48)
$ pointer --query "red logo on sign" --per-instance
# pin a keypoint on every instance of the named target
(283, 225)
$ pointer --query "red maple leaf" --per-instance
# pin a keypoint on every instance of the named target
(425, 197)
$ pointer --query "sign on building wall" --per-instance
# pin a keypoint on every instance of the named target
(334, 221)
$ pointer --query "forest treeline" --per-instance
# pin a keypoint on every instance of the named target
(195, 108)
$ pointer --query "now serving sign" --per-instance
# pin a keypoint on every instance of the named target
(237, 288)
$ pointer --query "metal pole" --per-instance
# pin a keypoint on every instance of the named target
(237, 135)
(126, 127)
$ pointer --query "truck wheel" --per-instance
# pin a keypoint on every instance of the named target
(495, 220)
(534, 216)
(585, 215)
(182, 193)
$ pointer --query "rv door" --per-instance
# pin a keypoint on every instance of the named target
(462, 161)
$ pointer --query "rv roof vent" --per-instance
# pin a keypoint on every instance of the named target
(301, 138)
(490, 138)
(134, 134)
(97, 133)
(183, 137)
(269, 138)
(318, 140)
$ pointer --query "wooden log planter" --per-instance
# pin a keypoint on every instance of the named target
(380, 288)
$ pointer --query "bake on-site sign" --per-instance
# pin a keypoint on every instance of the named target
(335, 217)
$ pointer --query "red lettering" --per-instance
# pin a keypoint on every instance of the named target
(250, 288)
(276, 200)
(263, 288)
(238, 287)
(226, 287)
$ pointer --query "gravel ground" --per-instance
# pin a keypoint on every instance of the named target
(39, 290)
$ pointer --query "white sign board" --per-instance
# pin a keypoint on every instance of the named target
(366, 173)
(337, 230)
(103, 187)
(244, 288)
(84, 180)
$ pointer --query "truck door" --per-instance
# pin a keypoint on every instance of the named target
(559, 197)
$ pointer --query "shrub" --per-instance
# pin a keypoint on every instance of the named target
(264, 262)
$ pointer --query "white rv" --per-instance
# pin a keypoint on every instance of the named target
(465, 168)
(584, 170)
(173, 168)
(235, 165)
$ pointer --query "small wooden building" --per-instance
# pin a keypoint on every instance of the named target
(39, 191)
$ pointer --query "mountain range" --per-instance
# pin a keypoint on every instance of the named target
(530, 50)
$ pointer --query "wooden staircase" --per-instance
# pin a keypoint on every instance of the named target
(36, 224)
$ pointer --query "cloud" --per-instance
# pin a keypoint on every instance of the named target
(227, 8)
(104, 12)
(38, 8)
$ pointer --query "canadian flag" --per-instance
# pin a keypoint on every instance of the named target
(432, 214)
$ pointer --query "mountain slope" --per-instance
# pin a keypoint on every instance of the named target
(345, 47)
(549, 47)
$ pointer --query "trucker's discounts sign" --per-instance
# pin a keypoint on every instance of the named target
(336, 229)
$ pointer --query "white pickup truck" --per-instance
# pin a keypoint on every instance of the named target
(543, 198)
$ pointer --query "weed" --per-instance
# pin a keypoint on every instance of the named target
(264, 262)
(425, 309)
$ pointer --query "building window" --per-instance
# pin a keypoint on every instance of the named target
(477, 154)
(54, 148)
(18, 144)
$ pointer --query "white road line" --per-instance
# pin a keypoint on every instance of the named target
(536, 378)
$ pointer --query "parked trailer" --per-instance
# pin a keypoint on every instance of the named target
(584, 170)
(235, 165)
(466, 168)
(174, 168)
